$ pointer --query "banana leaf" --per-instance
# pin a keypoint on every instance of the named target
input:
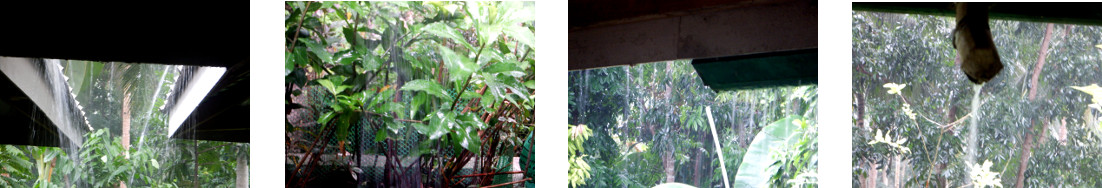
(756, 169)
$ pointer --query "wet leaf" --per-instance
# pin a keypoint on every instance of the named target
(428, 86)
(318, 50)
(380, 135)
(441, 29)
(459, 66)
(522, 34)
(324, 119)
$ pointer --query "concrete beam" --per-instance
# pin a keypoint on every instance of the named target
(707, 33)
(54, 100)
(193, 93)
(218, 117)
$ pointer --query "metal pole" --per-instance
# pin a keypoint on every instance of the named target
(719, 150)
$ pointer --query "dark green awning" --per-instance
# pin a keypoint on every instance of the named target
(773, 69)
(1084, 13)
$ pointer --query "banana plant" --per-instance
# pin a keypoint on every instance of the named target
(758, 163)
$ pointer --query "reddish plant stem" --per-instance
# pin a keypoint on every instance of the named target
(309, 152)
(491, 173)
(510, 183)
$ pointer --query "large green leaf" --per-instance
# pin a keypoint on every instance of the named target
(324, 119)
(488, 33)
(522, 34)
(470, 120)
(343, 121)
(755, 169)
(380, 135)
(468, 139)
(418, 100)
(81, 75)
(516, 12)
(333, 84)
(428, 86)
(502, 68)
(458, 65)
(442, 30)
(351, 36)
(288, 63)
(371, 62)
(75, 70)
(318, 50)
(440, 123)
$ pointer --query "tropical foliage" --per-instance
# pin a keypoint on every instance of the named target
(110, 94)
(647, 124)
(579, 169)
(912, 106)
(451, 83)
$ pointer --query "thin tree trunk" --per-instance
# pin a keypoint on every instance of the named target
(696, 168)
(873, 179)
(667, 161)
(899, 173)
(1040, 63)
(125, 130)
(126, 125)
(1027, 146)
(242, 170)
(1024, 159)
(858, 107)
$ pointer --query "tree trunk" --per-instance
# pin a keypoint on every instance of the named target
(696, 169)
(860, 108)
(242, 170)
(1024, 159)
(1027, 146)
(667, 162)
(126, 125)
(1040, 63)
(873, 180)
(125, 130)
(899, 173)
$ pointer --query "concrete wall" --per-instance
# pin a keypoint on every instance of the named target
(706, 33)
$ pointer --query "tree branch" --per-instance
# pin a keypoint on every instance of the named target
(300, 19)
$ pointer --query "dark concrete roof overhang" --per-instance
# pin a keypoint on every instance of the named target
(34, 111)
(750, 36)
(223, 114)
(171, 33)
